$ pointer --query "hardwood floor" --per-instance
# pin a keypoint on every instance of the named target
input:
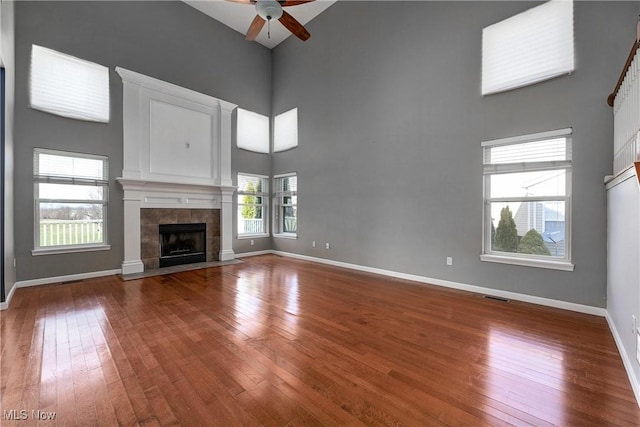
(276, 341)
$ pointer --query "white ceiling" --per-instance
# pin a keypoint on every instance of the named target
(239, 16)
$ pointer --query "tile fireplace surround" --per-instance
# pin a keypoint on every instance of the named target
(151, 218)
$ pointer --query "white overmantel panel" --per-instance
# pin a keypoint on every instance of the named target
(174, 134)
(177, 154)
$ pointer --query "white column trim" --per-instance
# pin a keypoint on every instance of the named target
(226, 223)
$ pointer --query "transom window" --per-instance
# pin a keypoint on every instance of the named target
(252, 202)
(533, 46)
(527, 195)
(286, 205)
(285, 131)
(252, 131)
(68, 86)
(71, 194)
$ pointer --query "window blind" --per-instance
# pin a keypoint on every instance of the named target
(542, 151)
(287, 184)
(68, 86)
(530, 47)
(252, 184)
(252, 131)
(54, 167)
(285, 133)
(537, 151)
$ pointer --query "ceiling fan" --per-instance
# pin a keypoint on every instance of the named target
(268, 10)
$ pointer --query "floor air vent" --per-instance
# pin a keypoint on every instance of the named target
(492, 297)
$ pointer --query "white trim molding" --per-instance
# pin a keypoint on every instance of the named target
(254, 253)
(5, 305)
(67, 278)
(69, 249)
(628, 364)
(226, 224)
(580, 308)
(166, 127)
(529, 137)
(177, 154)
(611, 181)
(56, 279)
(529, 262)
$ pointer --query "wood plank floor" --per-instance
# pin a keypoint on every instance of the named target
(281, 342)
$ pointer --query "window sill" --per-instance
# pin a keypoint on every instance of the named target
(286, 236)
(529, 262)
(69, 249)
(252, 236)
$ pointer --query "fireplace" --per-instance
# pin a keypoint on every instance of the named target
(154, 222)
(177, 163)
(182, 244)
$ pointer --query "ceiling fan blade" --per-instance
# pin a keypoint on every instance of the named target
(243, 1)
(296, 28)
(254, 28)
(286, 3)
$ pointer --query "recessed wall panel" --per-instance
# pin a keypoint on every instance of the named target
(180, 141)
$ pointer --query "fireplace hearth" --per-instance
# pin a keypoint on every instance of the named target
(182, 244)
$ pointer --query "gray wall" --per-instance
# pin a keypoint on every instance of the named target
(167, 40)
(7, 55)
(391, 120)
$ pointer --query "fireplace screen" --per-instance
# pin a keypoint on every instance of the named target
(182, 244)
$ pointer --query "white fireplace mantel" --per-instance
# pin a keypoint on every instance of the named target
(177, 154)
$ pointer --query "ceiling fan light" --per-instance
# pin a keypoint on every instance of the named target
(268, 9)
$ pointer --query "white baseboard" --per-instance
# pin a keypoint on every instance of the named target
(56, 279)
(256, 253)
(68, 278)
(597, 311)
(628, 363)
(5, 305)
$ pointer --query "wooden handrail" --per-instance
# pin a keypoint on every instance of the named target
(611, 98)
(632, 55)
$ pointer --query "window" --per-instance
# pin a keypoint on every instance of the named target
(252, 131)
(285, 130)
(252, 196)
(286, 205)
(527, 195)
(71, 193)
(67, 86)
(527, 48)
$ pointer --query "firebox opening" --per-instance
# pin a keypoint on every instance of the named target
(182, 244)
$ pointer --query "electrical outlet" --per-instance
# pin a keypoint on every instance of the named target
(326, 246)
(313, 244)
(251, 243)
(449, 260)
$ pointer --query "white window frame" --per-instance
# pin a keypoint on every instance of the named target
(528, 260)
(278, 195)
(264, 194)
(70, 179)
